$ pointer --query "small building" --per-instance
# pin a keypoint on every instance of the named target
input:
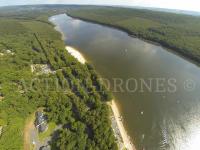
(43, 127)
(41, 121)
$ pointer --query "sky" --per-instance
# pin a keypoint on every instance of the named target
(193, 5)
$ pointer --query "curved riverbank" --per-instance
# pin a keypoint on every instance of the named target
(126, 141)
(116, 55)
(127, 144)
(186, 55)
(76, 54)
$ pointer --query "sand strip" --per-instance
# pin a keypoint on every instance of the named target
(126, 139)
(76, 54)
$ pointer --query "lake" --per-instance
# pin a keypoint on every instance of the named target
(157, 91)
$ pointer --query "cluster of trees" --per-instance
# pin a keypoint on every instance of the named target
(176, 31)
(75, 97)
(78, 101)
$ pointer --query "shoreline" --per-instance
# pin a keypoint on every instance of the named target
(76, 54)
(125, 142)
(187, 56)
(120, 132)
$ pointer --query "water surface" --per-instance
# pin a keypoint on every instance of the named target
(164, 117)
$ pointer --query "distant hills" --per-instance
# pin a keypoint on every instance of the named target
(177, 11)
(194, 13)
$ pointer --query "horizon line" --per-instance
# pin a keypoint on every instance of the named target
(116, 5)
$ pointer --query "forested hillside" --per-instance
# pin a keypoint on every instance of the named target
(74, 96)
(175, 31)
(71, 94)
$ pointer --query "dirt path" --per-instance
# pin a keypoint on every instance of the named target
(29, 126)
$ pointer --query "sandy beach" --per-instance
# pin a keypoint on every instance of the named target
(76, 54)
(125, 141)
(125, 138)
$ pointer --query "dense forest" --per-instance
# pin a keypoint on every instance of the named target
(178, 32)
(74, 98)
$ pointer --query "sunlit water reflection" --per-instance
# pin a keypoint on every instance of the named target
(155, 120)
